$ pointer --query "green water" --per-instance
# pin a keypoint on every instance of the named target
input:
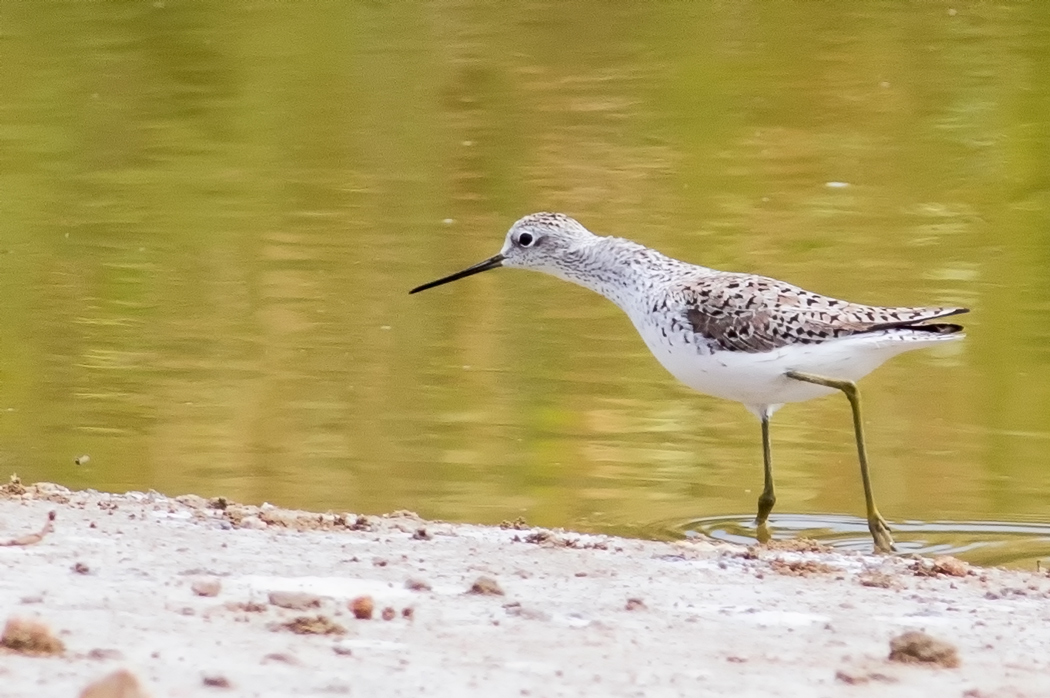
(211, 213)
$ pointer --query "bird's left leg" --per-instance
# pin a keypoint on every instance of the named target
(768, 497)
(880, 532)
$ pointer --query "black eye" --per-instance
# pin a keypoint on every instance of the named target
(525, 239)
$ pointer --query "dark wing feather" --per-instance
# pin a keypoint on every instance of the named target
(733, 331)
(741, 312)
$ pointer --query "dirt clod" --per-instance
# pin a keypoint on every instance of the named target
(916, 647)
(30, 636)
(635, 604)
(951, 566)
(14, 487)
(252, 523)
(362, 607)
(388, 613)
(416, 584)
(312, 625)
(538, 537)
(206, 587)
(797, 545)
(879, 580)
(216, 681)
(944, 565)
(120, 684)
(81, 568)
(800, 568)
(361, 523)
(105, 654)
(485, 586)
(551, 540)
(281, 657)
(855, 678)
(421, 534)
(295, 600)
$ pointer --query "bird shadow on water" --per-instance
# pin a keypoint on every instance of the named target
(1014, 544)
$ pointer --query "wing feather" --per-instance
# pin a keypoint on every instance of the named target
(742, 312)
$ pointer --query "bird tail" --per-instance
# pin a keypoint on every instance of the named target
(920, 321)
(932, 328)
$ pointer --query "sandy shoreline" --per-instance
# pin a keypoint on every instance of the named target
(119, 581)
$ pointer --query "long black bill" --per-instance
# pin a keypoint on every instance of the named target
(490, 263)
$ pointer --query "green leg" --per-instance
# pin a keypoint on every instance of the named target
(768, 498)
(880, 532)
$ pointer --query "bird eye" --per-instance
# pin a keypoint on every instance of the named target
(526, 239)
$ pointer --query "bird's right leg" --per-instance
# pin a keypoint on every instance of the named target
(880, 531)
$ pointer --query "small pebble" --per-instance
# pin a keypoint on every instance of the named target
(362, 607)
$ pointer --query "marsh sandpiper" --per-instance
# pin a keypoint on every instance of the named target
(742, 337)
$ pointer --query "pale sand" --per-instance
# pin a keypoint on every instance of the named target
(709, 620)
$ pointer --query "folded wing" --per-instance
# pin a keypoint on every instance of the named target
(746, 313)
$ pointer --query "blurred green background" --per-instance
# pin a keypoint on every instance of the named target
(211, 213)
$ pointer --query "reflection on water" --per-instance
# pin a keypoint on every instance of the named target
(208, 229)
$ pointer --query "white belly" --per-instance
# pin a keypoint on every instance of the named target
(758, 379)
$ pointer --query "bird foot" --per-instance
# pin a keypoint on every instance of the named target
(762, 534)
(880, 533)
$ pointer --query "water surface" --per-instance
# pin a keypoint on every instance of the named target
(210, 215)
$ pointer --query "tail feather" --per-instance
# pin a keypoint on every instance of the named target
(933, 328)
(918, 323)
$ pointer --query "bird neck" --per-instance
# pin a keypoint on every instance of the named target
(622, 270)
